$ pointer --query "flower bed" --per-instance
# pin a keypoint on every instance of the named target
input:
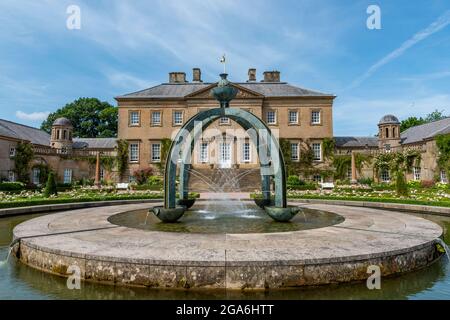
(434, 197)
(30, 198)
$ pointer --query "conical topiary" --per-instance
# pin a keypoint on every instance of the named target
(50, 187)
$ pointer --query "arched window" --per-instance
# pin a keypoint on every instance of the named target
(387, 133)
(64, 134)
(393, 133)
(57, 134)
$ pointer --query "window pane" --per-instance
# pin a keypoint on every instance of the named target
(156, 152)
(317, 151)
(271, 117)
(246, 152)
(315, 117)
(444, 176)
(156, 117)
(178, 117)
(134, 118)
(224, 120)
(204, 152)
(416, 173)
(293, 117)
(67, 175)
(134, 152)
(36, 174)
(294, 152)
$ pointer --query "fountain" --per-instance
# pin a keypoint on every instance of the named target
(265, 142)
(225, 244)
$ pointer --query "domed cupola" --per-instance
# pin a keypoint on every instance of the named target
(389, 132)
(61, 138)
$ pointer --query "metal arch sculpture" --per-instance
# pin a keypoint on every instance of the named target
(170, 212)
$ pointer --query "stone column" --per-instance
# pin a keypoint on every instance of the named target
(353, 181)
(97, 170)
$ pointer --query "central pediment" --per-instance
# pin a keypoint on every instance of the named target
(243, 93)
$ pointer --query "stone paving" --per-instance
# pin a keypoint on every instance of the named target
(395, 241)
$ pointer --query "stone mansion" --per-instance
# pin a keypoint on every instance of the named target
(301, 116)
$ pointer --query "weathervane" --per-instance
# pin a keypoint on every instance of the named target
(223, 60)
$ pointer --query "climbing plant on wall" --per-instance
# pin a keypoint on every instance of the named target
(304, 165)
(122, 157)
(398, 164)
(22, 160)
(443, 157)
(328, 145)
(165, 146)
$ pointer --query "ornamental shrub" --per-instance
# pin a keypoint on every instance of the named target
(50, 187)
(142, 175)
(11, 186)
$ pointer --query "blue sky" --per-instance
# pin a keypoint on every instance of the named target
(124, 46)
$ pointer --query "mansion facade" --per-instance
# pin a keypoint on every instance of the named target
(148, 117)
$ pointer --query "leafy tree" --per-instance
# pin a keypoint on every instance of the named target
(91, 118)
(122, 157)
(435, 116)
(414, 121)
(411, 122)
(50, 187)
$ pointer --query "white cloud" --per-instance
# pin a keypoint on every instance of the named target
(436, 26)
(33, 116)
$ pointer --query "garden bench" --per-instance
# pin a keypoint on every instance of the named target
(327, 185)
(122, 186)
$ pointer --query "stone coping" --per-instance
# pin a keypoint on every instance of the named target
(365, 234)
(381, 205)
(69, 206)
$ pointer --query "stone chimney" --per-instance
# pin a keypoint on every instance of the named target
(196, 75)
(177, 77)
(271, 76)
(251, 75)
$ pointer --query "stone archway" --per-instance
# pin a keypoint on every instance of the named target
(269, 154)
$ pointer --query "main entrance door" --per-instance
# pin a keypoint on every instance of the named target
(225, 155)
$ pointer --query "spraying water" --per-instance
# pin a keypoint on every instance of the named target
(146, 218)
(5, 262)
(444, 245)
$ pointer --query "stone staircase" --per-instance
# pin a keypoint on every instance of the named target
(225, 180)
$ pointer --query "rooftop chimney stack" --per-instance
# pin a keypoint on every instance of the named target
(251, 75)
(271, 76)
(177, 77)
(196, 75)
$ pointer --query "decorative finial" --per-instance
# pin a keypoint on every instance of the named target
(224, 61)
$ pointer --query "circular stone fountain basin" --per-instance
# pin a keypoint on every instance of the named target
(120, 255)
(217, 219)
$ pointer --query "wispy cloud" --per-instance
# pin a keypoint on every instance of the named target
(127, 81)
(436, 26)
(33, 116)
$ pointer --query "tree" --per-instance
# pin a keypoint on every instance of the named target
(50, 187)
(414, 121)
(411, 122)
(435, 116)
(90, 117)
